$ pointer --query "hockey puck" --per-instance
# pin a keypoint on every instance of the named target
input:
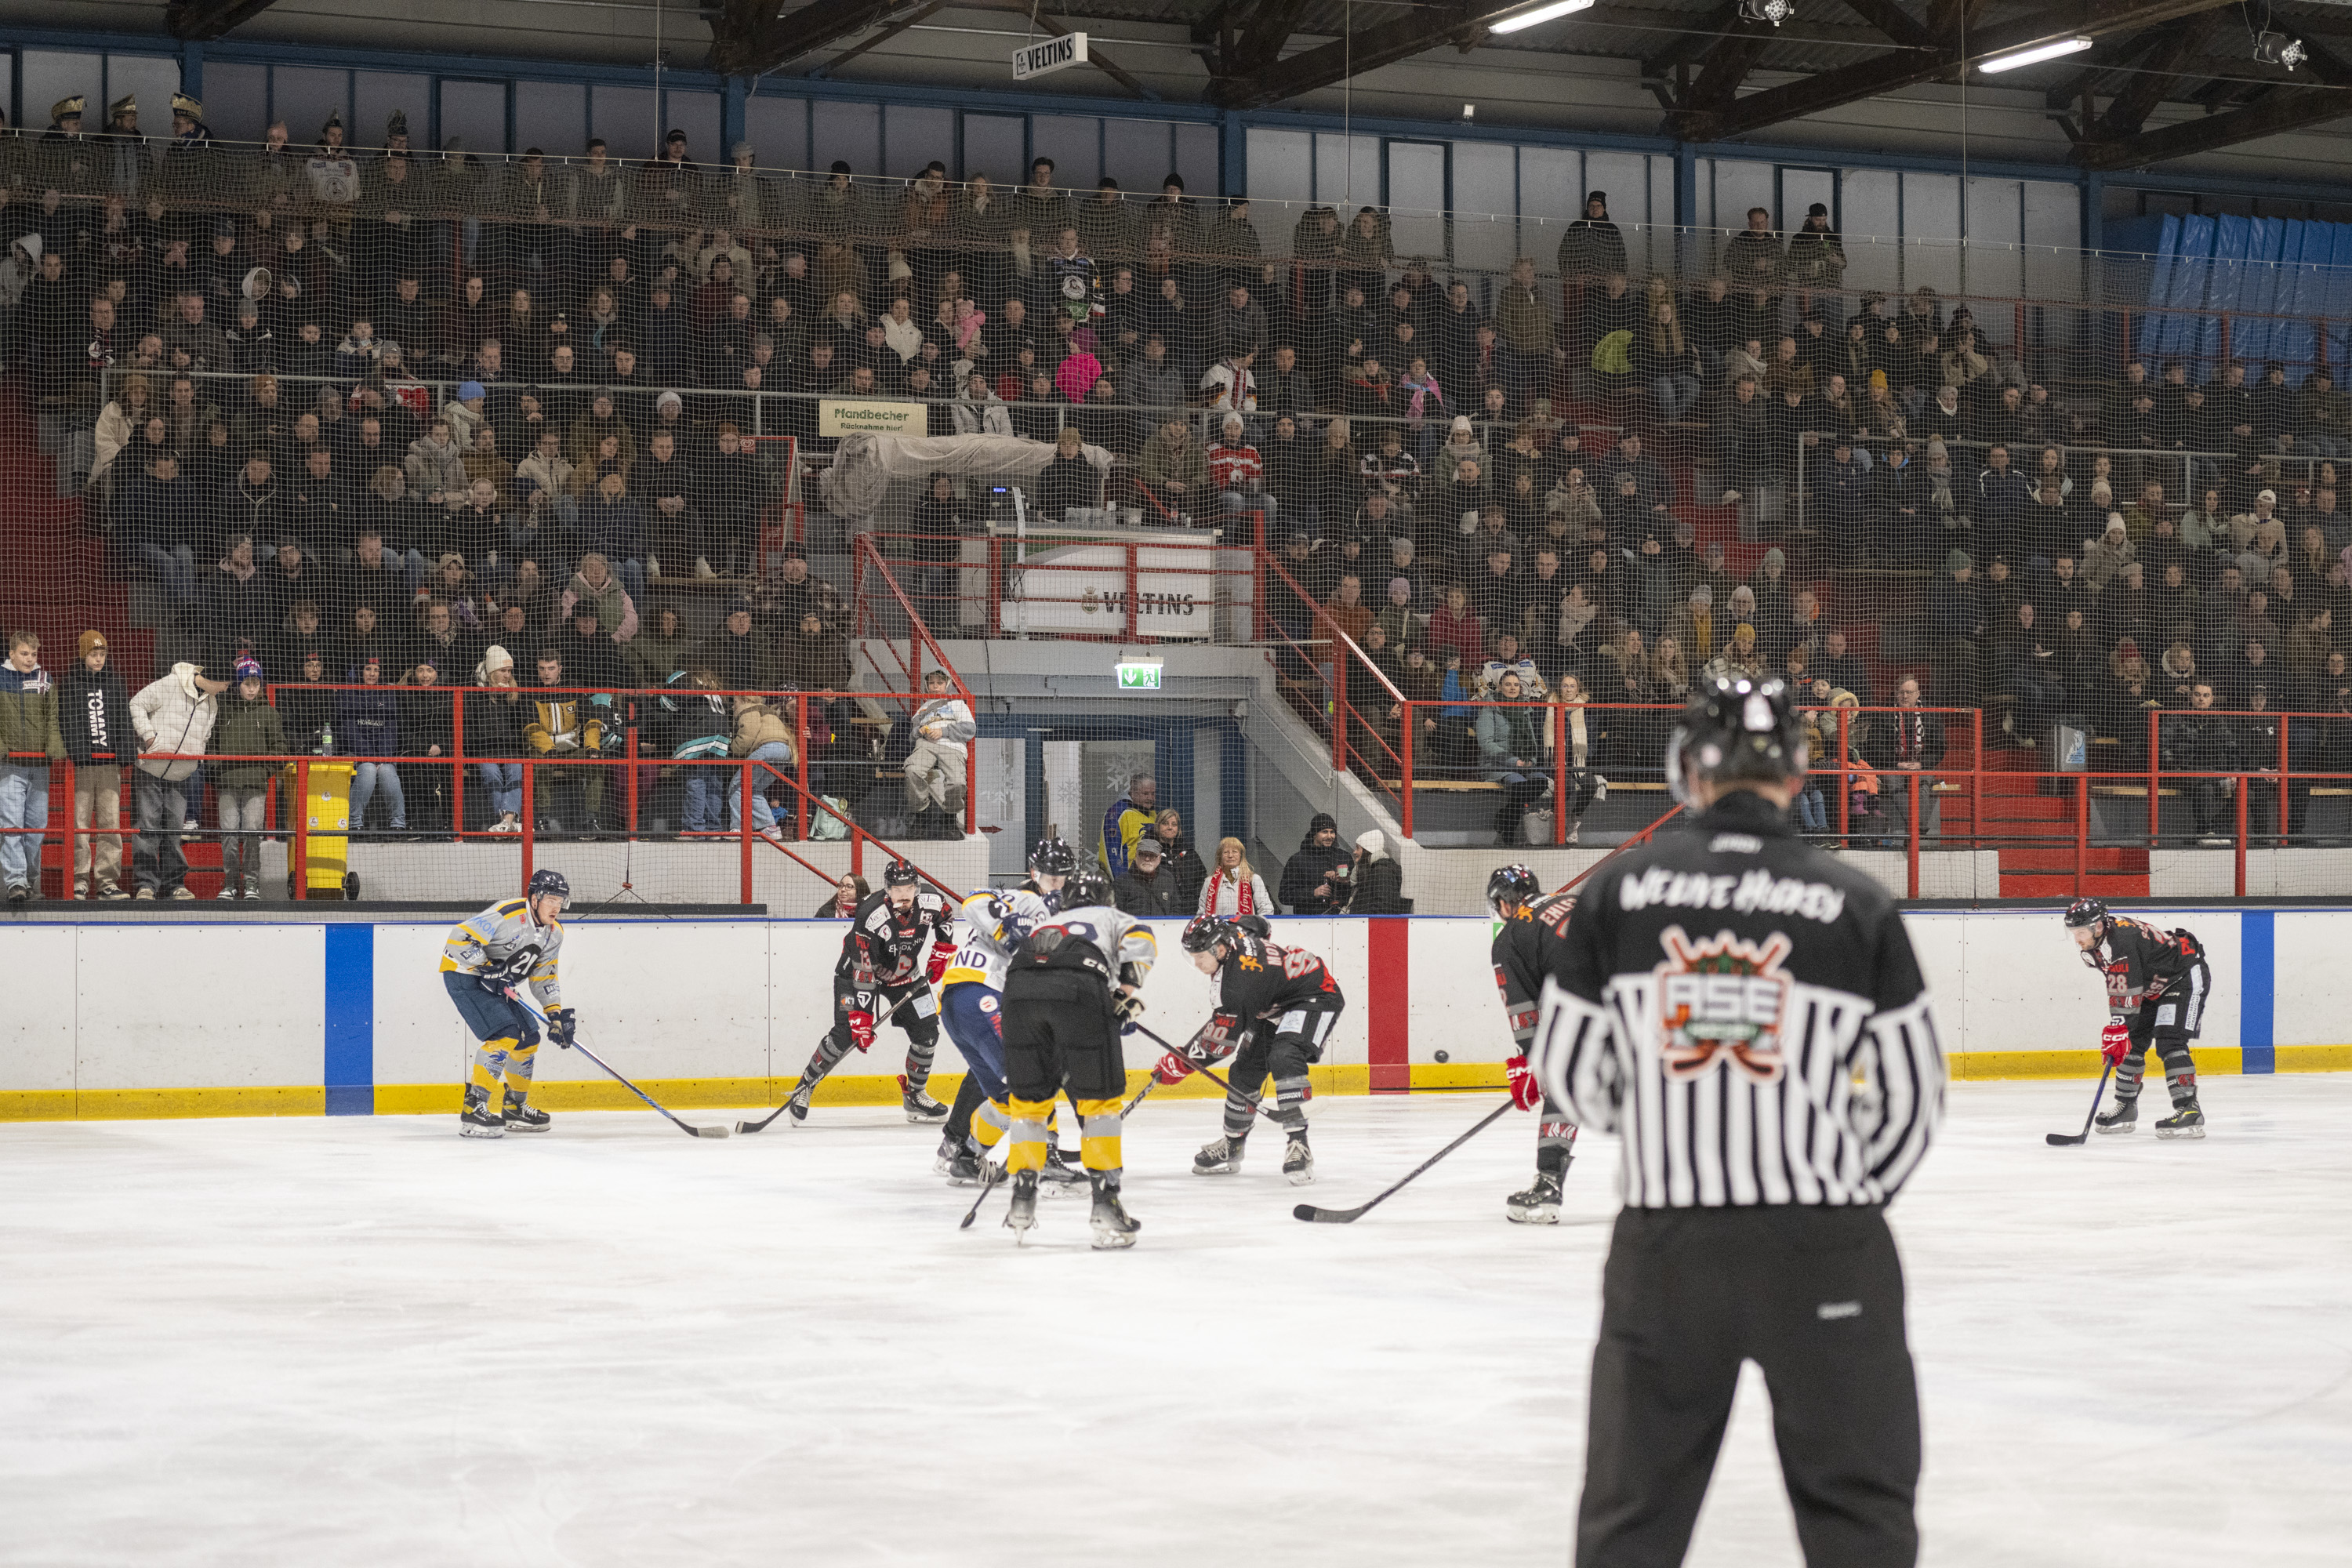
(1444, 1056)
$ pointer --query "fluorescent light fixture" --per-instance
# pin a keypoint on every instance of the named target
(2034, 55)
(1537, 16)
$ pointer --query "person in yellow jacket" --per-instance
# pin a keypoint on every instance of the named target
(562, 728)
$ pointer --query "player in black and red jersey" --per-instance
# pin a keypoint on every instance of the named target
(899, 940)
(1530, 922)
(2157, 985)
(1276, 1009)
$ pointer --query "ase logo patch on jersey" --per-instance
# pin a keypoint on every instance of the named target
(1722, 999)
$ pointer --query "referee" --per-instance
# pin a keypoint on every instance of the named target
(1748, 1013)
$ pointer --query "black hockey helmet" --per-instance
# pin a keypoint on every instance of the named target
(1734, 730)
(1511, 886)
(1203, 933)
(2083, 912)
(900, 873)
(1054, 857)
(1087, 889)
(544, 881)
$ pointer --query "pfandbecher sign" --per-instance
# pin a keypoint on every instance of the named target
(1053, 55)
(859, 416)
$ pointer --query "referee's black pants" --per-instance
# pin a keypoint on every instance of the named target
(1814, 1296)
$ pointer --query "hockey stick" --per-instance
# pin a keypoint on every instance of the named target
(686, 1127)
(2067, 1140)
(1205, 1071)
(922, 990)
(990, 1174)
(1348, 1216)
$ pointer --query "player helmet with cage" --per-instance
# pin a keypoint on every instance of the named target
(1050, 865)
(1087, 889)
(1511, 888)
(545, 885)
(1734, 732)
(2086, 920)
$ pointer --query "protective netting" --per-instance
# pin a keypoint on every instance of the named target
(272, 403)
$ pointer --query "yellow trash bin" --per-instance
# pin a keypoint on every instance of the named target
(327, 823)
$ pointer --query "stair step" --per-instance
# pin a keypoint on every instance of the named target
(2053, 885)
(2125, 862)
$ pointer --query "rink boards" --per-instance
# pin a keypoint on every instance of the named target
(276, 1017)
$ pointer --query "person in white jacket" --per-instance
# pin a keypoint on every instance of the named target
(1235, 888)
(175, 720)
(935, 767)
(980, 411)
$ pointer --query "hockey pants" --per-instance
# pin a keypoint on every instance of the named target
(1814, 1296)
(919, 1023)
(2167, 1023)
(505, 1034)
(1282, 1047)
(1062, 1038)
(975, 1016)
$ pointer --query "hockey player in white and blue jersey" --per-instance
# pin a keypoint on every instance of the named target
(990, 925)
(513, 943)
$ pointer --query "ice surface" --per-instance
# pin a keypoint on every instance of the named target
(366, 1340)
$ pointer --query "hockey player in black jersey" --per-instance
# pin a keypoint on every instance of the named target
(899, 940)
(1528, 920)
(2157, 985)
(1276, 1009)
(1748, 1013)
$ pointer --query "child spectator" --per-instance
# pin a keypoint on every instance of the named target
(28, 737)
(249, 727)
(494, 722)
(761, 735)
(94, 716)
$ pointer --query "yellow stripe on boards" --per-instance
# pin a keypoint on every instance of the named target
(148, 1104)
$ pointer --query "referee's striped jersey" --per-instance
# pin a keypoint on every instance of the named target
(1748, 1013)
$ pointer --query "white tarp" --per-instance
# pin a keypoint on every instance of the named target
(864, 466)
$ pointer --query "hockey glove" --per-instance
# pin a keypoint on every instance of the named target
(563, 1024)
(2115, 1040)
(1173, 1068)
(861, 1029)
(1527, 1093)
(1130, 1009)
(938, 965)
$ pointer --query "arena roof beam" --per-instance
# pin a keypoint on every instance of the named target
(200, 21)
(748, 36)
(1366, 49)
(2283, 109)
(1910, 67)
(2159, 73)
(1722, 67)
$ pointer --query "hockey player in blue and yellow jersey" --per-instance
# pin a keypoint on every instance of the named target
(513, 943)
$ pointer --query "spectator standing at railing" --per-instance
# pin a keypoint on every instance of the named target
(2202, 741)
(1181, 861)
(174, 718)
(1235, 888)
(1321, 877)
(96, 726)
(1511, 749)
(763, 735)
(248, 726)
(494, 729)
(29, 739)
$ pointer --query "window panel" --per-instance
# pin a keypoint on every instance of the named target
(623, 117)
(996, 145)
(847, 132)
(915, 133)
(303, 96)
(1139, 154)
(236, 102)
(476, 113)
(1075, 143)
(778, 131)
(552, 116)
(697, 114)
(375, 96)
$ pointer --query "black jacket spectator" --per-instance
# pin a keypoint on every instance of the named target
(1320, 877)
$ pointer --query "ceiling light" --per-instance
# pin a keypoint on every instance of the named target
(1541, 15)
(2034, 55)
(2278, 49)
(1773, 11)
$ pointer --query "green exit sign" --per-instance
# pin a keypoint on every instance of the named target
(1144, 677)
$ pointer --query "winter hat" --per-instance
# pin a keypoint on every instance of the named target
(744, 150)
(1958, 560)
(1819, 209)
(1703, 596)
(1371, 842)
(88, 641)
(468, 390)
(248, 667)
(1878, 381)
(1462, 424)
(1775, 557)
(1321, 820)
(665, 399)
(1592, 196)
(1397, 583)
(493, 657)
(426, 664)
(2270, 495)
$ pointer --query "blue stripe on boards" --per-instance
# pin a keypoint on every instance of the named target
(349, 1056)
(2257, 971)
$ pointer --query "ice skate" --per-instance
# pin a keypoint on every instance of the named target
(1297, 1159)
(1021, 1212)
(2119, 1119)
(477, 1119)
(1539, 1204)
(521, 1118)
(921, 1109)
(965, 1168)
(1058, 1171)
(1112, 1226)
(1219, 1157)
(2186, 1122)
(797, 1102)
